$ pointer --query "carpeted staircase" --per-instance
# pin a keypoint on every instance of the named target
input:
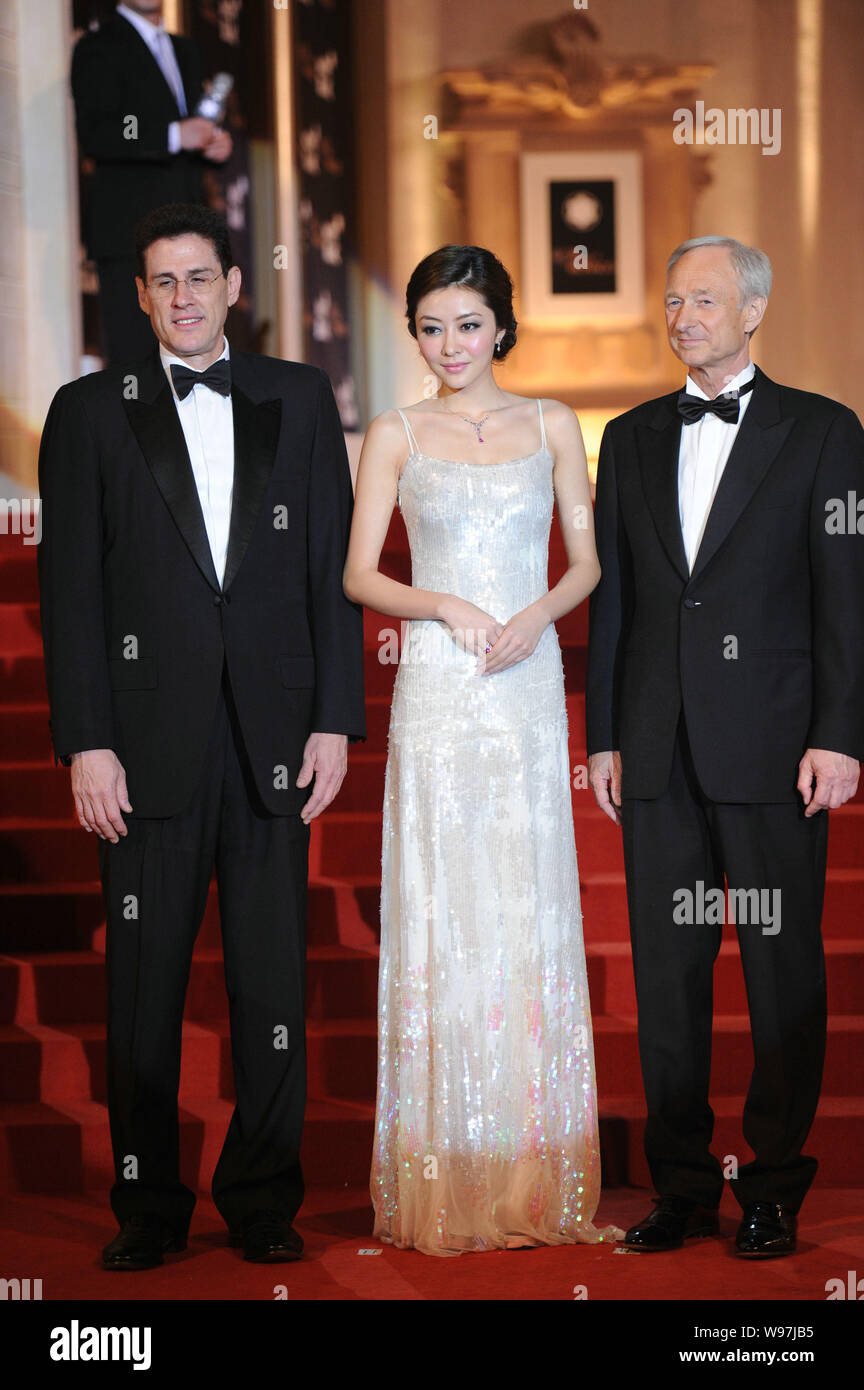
(53, 1121)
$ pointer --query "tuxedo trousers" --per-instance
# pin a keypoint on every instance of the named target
(673, 844)
(155, 885)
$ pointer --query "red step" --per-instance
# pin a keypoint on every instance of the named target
(66, 1147)
(54, 1064)
(68, 987)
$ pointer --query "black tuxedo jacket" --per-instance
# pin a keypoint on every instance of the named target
(114, 76)
(135, 623)
(763, 644)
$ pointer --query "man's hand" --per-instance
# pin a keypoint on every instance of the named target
(327, 756)
(218, 148)
(196, 132)
(836, 779)
(604, 774)
(99, 789)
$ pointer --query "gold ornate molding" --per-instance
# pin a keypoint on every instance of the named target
(560, 74)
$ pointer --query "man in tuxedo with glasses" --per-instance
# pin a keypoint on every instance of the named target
(725, 718)
(203, 665)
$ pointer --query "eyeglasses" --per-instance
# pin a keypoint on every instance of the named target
(163, 285)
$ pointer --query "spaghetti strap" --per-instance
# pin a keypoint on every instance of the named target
(408, 430)
(542, 424)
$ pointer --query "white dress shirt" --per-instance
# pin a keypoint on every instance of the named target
(208, 426)
(159, 42)
(702, 455)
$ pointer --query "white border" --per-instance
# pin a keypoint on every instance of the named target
(539, 304)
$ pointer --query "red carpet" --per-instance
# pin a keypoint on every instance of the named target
(55, 1159)
(58, 1239)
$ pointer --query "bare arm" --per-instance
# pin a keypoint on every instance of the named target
(384, 449)
(575, 513)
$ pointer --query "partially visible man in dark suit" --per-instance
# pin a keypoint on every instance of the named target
(135, 89)
(725, 717)
(203, 665)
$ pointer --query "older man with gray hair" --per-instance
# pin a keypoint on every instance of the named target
(725, 719)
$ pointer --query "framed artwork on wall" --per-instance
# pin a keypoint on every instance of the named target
(582, 236)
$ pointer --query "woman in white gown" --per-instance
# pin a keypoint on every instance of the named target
(486, 1118)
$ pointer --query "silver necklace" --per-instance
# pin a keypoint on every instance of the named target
(475, 424)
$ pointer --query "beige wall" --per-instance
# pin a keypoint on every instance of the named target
(763, 58)
(39, 307)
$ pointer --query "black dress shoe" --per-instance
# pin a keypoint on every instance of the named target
(673, 1220)
(267, 1237)
(141, 1243)
(767, 1229)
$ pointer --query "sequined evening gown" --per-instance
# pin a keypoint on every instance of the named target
(486, 1118)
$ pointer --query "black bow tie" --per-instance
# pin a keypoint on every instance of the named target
(692, 408)
(217, 377)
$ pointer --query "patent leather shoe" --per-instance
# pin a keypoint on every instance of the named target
(673, 1220)
(767, 1229)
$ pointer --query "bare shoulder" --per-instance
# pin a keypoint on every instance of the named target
(385, 447)
(386, 430)
(556, 412)
(562, 424)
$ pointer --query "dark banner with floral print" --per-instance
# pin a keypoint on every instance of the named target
(325, 158)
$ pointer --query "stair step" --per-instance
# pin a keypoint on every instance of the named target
(61, 916)
(604, 905)
(53, 1064)
(836, 1138)
(68, 987)
(24, 733)
(60, 989)
(19, 581)
(610, 974)
(66, 1148)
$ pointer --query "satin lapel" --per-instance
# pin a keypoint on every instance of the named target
(657, 444)
(156, 425)
(256, 435)
(759, 440)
